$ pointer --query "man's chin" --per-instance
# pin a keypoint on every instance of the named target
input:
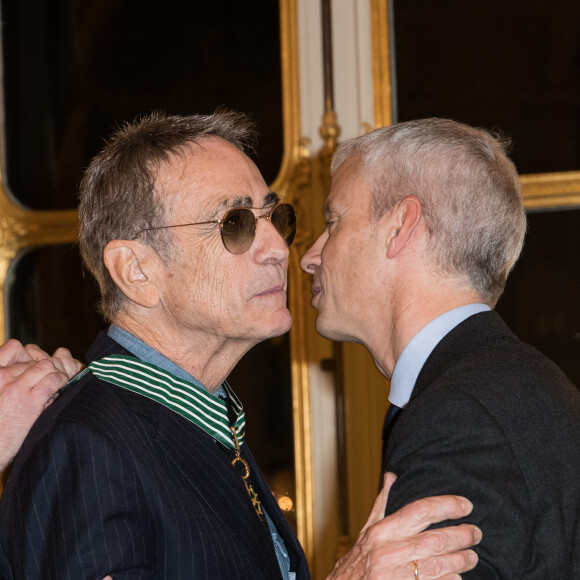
(328, 328)
(282, 321)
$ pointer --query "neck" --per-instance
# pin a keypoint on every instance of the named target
(416, 309)
(207, 358)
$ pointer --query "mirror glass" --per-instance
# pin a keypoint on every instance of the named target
(499, 64)
(74, 70)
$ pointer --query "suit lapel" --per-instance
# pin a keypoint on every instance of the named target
(189, 448)
(269, 502)
(206, 467)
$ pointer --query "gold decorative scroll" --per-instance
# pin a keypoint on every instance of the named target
(382, 77)
(21, 229)
(551, 190)
(292, 184)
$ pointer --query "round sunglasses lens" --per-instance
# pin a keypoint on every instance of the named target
(238, 230)
(284, 220)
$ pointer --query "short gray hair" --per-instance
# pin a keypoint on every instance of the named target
(118, 195)
(468, 187)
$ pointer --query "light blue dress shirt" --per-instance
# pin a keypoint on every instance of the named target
(147, 354)
(419, 348)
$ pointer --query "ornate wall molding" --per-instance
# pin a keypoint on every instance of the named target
(292, 183)
(22, 229)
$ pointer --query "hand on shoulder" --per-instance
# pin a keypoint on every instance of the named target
(29, 381)
(391, 547)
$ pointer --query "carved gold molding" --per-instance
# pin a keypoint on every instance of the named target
(382, 77)
(292, 183)
(21, 229)
(330, 132)
(551, 190)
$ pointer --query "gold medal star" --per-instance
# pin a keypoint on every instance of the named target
(255, 501)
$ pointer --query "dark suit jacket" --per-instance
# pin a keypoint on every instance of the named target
(492, 419)
(109, 481)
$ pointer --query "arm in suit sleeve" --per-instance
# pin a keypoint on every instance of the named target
(78, 511)
(448, 443)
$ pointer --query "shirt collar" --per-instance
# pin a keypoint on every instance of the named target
(149, 355)
(419, 348)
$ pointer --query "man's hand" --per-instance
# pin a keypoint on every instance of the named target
(29, 379)
(388, 547)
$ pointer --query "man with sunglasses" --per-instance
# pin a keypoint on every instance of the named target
(139, 468)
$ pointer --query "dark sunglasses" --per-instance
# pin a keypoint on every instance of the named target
(238, 226)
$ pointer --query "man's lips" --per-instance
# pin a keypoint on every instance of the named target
(273, 290)
(316, 286)
(316, 290)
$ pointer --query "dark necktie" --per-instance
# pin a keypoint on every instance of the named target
(390, 418)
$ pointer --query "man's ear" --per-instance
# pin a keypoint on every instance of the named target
(406, 216)
(133, 267)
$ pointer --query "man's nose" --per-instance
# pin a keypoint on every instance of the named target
(269, 244)
(311, 260)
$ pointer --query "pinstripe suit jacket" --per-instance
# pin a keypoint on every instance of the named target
(492, 419)
(110, 482)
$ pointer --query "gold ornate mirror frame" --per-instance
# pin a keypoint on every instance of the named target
(22, 229)
(541, 190)
(292, 183)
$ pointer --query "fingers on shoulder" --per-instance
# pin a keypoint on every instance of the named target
(38, 354)
(447, 566)
(70, 365)
(41, 380)
(424, 512)
(35, 352)
(12, 352)
(448, 540)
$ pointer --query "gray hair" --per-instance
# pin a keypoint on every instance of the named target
(118, 195)
(468, 187)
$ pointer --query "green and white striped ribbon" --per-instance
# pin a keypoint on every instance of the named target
(189, 400)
